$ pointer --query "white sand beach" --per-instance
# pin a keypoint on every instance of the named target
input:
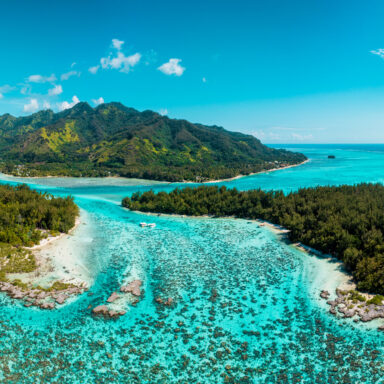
(62, 257)
(252, 174)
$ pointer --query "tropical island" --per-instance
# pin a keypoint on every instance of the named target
(113, 140)
(346, 222)
(27, 218)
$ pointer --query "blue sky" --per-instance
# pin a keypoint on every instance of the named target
(287, 72)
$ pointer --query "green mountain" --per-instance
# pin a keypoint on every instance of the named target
(115, 140)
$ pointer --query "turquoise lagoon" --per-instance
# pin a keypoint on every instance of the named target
(246, 306)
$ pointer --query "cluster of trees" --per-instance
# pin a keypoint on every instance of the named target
(115, 140)
(25, 212)
(345, 221)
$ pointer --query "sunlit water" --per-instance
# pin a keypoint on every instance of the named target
(246, 306)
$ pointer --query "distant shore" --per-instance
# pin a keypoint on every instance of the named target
(251, 174)
(149, 180)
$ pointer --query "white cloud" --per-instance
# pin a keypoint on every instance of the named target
(120, 61)
(56, 90)
(163, 112)
(263, 135)
(32, 106)
(41, 79)
(300, 137)
(46, 105)
(67, 75)
(379, 52)
(25, 89)
(66, 105)
(117, 59)
(172, 67)
(117, 43)
(286, 134)
(98, 101)
(5, 89)
(94, 69)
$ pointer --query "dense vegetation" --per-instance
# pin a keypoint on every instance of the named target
(25, 213)
(115, 140)
(345, 221)
(25, 218)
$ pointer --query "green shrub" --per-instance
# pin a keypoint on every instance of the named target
(377, 300)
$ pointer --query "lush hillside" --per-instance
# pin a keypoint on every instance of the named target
(346, 221)
(115, 140)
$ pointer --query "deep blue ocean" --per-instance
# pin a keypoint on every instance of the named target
(246, 306)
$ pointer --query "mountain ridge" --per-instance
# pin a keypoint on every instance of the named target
(114, 140)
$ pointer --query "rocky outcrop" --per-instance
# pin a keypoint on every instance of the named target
(106, 312)
(100, 310)
(351, 304)
(45, 299)
(60, 298)
(133, 287)
(110, 312)
(47, 305)
(113, 297)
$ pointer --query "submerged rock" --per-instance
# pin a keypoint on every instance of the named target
(133, 287)
(169, 301)
(113, 297)
(100, 309)
(38, 296)
(103, 310)
(47, 305)
(60, 298)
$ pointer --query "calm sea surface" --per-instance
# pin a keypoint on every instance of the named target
(246, 306)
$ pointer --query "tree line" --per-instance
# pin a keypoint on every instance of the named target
(345, 221)
(25, 212)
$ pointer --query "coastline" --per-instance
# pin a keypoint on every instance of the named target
(251, 174)
(50, 177)
(60, 275)
(50, 239)
(59, 257)
(94, 181)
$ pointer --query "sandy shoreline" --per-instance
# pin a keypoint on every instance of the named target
(50, 239)
(346, 279)
(60, 258)
(251, 174)
(33, 178)
(61, 273)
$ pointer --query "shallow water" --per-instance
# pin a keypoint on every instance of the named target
(246, 306)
